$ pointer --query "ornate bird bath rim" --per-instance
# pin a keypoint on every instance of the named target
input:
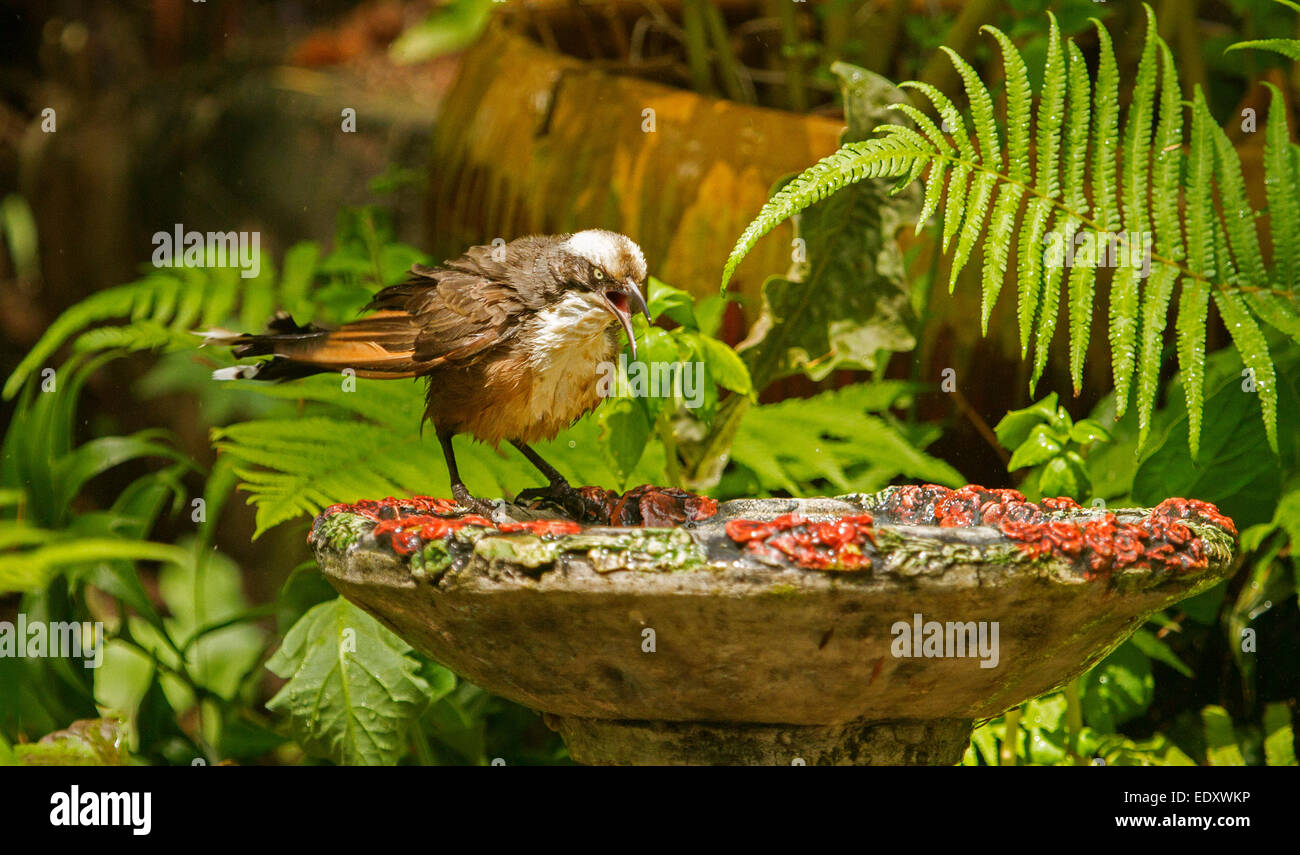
(770, 630)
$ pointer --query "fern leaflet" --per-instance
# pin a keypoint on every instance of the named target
(1138, 204)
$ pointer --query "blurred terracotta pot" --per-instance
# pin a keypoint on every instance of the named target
(535, 140)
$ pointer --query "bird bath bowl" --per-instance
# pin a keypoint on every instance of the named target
(864, 629)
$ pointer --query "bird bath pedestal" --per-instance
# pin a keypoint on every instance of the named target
(865, 629)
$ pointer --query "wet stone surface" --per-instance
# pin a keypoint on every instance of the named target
(770, 616)
(651, 528)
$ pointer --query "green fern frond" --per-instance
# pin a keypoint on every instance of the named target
(1143, 198)
(1031, 269)
(156, 297)
(1078, 291)
(997, 248)
(1019, 96)
(1105, 149)
(843, 437)
(1039, 284)
(1168, 157)
(141, 335)
(366, 441)
(1125, 296)
(1193, 314)
(934, 183)
(1125, 299)
(1253, 347)
(874, 158)
(161, 308)
(977, 202)
(981, 105)
(1289, 48)
(1051, 112)
(1076, 131)
(954, 207)
(1283, 194)
(1243, 239)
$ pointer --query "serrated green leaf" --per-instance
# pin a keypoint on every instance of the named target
(1019, 98)
(353, 687)
(1105, 150)
(1155, 317)
(1125, 297)
(997, 248)
(624, 432)
(1289, 48)
(1253, 347)
(1031, 275)
(981, 105)
(1283, 195)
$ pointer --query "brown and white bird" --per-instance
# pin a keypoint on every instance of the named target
(510, 338)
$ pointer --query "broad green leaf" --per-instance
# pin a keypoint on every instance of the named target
(671, 302)
(1015, 426)
(1279, 737)
(624, 432)
(1221, 746)
(845, 298)
(1065, 475)
(1236, 470)
(725, 367)
(1088, 430)
(353, 688)
(87, 742)
(1156, 649)
(1040, 447)
(1118, 689)
(451, 27)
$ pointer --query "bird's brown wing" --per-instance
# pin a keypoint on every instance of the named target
(455, 312)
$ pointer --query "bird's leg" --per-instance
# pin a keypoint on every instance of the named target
(459, 491)
(552, 474)
(558, 489)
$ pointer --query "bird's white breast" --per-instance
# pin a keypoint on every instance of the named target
(571, 339)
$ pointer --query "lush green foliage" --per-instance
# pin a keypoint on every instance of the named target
(1094, 186)
(1043, 435)
(295, 448)
(185, 674)
(1097, 461)
(41, 475)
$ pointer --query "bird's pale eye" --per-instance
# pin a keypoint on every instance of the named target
(599, 274)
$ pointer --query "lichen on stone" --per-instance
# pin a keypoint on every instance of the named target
(656, 549)
(636, 549)
(340, 531)
(912, 554)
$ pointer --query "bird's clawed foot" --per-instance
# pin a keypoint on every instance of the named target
(558, 493)
(479, 506)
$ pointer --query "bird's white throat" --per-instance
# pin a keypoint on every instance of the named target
(572, 328)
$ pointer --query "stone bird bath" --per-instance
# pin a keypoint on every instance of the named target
(864, 629)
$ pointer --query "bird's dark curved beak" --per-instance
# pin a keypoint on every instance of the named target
(622, 305)
(638, 300)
